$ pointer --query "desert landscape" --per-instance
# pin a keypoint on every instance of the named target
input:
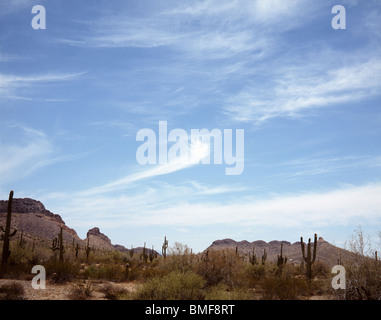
(95, 269)
(190, 150)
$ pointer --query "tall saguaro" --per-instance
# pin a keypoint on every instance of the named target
(309, 259)
(164, 247)
(7, 233)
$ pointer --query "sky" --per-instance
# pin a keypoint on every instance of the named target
(74, 96)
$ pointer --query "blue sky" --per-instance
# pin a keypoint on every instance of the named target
(74, 96)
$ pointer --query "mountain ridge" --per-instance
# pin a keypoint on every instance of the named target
(326, 252)
(31, 217)
(36, 222)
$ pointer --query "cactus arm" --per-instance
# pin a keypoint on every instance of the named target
(6, 236)
(315, 245)
(87, 248)
(61, 246)
(13, 233)
(303, 252)
(164, 247)
(309, 258)
(7, 233)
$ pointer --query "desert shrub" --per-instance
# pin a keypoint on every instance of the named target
(363, 273)
(112, 292)
(222, 266)
(113, 272)
(12, 291)
(81, 291)
(174, 286)
(21, 261)
(283, 288)
(223, 292)
(62, 272)
(110, 271)
(90, 272)
(179, 258)
(255, 272)
(147, 272)
(320, 269)
(363, 280)
(290, 270)
(132, 270)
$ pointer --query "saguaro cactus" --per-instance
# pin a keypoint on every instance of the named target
(253, 258)
(87, 249)
(76, 250)
(131, 252)
(61, 246)
(7, 232)
(281, 261)
(264, 256)
(22, 241)
(309, 258)
(57, 245)
(144, 254)
(164, 247)
(152, 254)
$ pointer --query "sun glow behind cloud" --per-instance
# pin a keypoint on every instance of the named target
(199, 151)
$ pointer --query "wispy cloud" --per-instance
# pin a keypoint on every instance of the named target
(327, 164)
(179, 163)
(16, 79)
(9, 83)
(18, 160)
(168, 206)
(10, 57)
(15, 5)
(299, 91)
(208, 29)
(213, 43)
(27, 151)
(259, 12)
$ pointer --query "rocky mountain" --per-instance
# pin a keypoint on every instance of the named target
(37, 223)
(30, 217)
(325, 252)
(99, 240)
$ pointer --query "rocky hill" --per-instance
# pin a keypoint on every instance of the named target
(30, 217)
(99, 240)
(325, 252)
(37, 223)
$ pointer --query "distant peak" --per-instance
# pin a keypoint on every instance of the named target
(97, 233)
(23, 205)
(224, 242)
(94, 231)
(26, 206)
(277, 242)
